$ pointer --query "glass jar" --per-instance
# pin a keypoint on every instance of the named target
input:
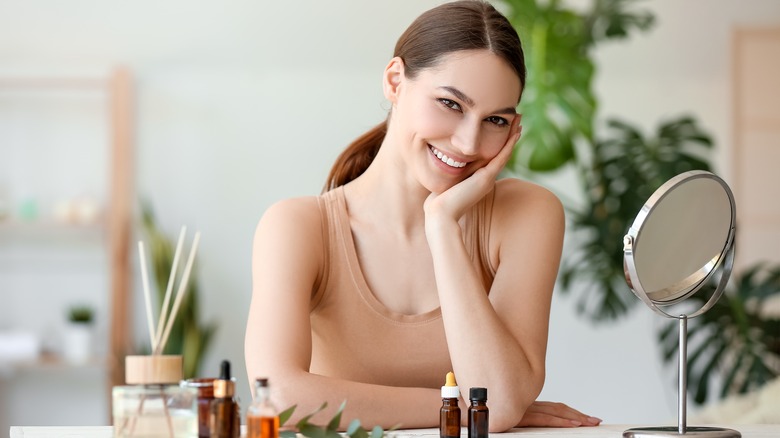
(205, 388)
(155, 410)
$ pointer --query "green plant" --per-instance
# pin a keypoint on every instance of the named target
(624, 170)
(735, 340)
(618, 172)
(189, 337)
(558, 104)
(81, 314)
(305, 428)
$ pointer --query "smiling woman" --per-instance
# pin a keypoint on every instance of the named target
(415, 261)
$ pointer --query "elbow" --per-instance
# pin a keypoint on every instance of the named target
(509, 413)
(503, 423)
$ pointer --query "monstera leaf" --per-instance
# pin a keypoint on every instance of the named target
(735, 340)
(625, 170)
(558, 104)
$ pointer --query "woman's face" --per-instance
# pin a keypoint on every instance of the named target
(452, 119)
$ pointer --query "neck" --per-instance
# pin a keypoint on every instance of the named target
(387, 194)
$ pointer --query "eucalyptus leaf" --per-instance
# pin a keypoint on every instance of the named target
(286, 414)
(353, 426)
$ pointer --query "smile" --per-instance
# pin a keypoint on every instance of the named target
(445, 159)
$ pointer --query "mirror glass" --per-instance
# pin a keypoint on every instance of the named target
(681, 235)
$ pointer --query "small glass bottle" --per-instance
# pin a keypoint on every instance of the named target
(449, 415)
(205, 388)
(262, 418)
(478, 413)
(224, 420)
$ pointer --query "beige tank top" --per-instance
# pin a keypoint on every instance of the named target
(354, 336)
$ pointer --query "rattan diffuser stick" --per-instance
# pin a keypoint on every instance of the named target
(179, 295)
(167, 299)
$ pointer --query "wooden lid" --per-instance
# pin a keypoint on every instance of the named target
(144, 370)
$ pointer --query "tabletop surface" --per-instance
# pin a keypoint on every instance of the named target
(603, 431)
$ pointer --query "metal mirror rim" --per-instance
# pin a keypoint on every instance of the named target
(723, 263)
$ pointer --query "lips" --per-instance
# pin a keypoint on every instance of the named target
(445, 159)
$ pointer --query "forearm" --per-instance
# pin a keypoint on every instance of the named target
(483, 351)
(373, 405)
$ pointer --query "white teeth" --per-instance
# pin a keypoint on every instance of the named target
(445, 159)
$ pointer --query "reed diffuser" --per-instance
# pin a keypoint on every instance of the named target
(153, 403)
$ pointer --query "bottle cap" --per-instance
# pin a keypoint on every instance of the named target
(450, 388)
(224, 386)
(478, 394)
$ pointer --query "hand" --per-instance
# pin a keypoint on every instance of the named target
(549, 414)
(458, 198)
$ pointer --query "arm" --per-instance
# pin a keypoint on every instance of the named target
(286, 268)
(499, 341)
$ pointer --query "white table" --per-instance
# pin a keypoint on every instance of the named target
(603, 431)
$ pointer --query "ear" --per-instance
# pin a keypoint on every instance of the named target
(392, 79)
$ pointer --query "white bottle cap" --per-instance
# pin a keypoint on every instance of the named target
(450, 389)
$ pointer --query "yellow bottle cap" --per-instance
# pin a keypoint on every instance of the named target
(450, 388)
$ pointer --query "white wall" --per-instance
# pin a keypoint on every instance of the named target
(243, 103)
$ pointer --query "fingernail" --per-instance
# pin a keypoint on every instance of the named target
(594, 420)
(575, 423)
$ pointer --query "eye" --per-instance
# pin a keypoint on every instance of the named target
(449, 103)
(498, 121)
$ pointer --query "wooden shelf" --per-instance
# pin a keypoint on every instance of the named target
(49, 362)
(112, 232)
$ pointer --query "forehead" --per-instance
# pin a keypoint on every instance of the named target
(482, 75)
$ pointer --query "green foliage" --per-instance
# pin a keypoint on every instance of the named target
(189, 337)
(558, 104)
(81, 314)
(625, 169)
(618, 173)
(734, 339)
(306, 428)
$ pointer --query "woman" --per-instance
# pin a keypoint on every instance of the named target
(416, 261)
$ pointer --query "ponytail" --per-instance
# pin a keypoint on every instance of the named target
(356, 157)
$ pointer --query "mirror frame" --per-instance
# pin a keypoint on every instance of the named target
(721, 264)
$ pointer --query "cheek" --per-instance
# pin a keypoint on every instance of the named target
(431, 121)
(493, 141)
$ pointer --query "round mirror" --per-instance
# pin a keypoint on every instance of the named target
(683, 235)
(681, 239)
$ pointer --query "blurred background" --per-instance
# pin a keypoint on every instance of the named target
(205, 113)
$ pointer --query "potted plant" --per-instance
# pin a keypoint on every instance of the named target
(78, 334)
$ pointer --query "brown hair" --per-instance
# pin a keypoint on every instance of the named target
(448, 28)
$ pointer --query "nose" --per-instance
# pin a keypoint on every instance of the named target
(466, 137)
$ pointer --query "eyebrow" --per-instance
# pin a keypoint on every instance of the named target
(470, 102)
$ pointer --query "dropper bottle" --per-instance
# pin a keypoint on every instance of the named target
(224, 420)
(449, 417)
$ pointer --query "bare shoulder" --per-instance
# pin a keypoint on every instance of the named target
(518, 197)
(301, 214)
(290, 230)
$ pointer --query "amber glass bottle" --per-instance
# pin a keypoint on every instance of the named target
(478, 413)
(224, 420)
(262, 418)
(449, 416)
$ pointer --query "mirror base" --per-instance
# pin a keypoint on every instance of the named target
(703, 432)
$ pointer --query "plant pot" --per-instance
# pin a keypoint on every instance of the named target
(77, 343)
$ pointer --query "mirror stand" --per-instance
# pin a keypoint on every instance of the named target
(681, 240)
(682, 428)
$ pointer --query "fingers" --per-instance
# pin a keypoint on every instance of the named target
(548, 414)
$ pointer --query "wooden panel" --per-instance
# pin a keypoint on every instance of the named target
(756, 148)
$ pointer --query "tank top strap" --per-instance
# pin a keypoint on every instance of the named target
(328, 207)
